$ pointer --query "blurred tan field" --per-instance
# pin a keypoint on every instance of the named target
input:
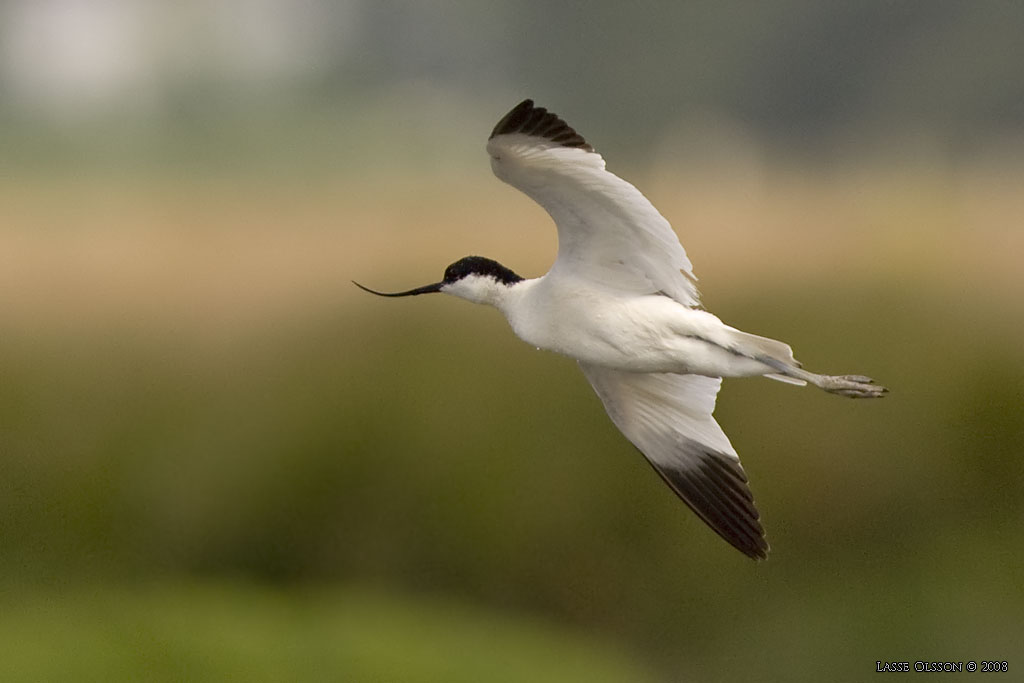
(218, 253)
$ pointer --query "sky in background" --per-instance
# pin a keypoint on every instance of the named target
(70, 59)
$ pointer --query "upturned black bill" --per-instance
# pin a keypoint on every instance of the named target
(426, 289)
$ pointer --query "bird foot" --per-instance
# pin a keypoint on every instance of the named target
(852, 386)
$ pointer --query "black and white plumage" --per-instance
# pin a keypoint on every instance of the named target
(621, 299)
(538, 122)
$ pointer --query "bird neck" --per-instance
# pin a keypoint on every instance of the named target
(485, 290)
(499, 294)
(512, 299)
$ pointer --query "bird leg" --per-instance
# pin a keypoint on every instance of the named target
(852, 386)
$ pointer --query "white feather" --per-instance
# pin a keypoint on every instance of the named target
(608, 233)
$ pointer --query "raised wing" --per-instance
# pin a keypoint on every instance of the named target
(608, 233)
(668, 417)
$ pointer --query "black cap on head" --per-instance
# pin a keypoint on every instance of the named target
(478, 265)
(471, 265)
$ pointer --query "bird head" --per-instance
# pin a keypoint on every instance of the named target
(473, 278)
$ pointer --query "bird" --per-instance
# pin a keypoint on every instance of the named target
(622, 300)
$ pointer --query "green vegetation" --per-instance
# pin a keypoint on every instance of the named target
(220, 631)
(207, 498)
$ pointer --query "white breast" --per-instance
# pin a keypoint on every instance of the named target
(640, 334)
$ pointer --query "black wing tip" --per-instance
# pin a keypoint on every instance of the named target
(729, 482)
(760, 554)
(717, 491)
(528, 119)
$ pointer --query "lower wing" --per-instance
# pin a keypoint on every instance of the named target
(669, 418)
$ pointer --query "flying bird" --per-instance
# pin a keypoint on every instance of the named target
(622, 300)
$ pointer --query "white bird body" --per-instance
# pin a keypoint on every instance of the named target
(622, 300)
(646, 333)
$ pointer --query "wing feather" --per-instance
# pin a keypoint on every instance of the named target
(608, 233)
(669, 419)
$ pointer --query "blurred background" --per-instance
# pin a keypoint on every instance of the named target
(219, 460)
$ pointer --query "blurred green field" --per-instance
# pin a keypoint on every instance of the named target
(219, 461)
(236, 631)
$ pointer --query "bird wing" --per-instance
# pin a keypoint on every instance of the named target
(608, 232)
(668, 417)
